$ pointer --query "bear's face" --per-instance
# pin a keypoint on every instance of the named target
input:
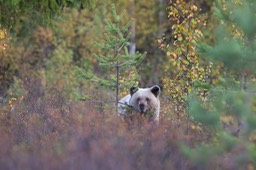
(145, 100)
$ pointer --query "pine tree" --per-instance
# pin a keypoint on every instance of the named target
(235, 39)
(230, 112)
(235, 48)
(116, 61)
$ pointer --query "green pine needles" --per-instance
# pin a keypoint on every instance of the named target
(230, 114)
(118, 65)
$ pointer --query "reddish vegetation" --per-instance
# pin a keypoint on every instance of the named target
(51, 133)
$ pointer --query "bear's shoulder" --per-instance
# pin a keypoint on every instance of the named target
(123, 104)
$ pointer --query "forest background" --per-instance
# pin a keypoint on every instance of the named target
(57, 89)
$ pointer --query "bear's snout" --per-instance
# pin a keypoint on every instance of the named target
(142, 108)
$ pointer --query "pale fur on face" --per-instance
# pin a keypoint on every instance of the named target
(141, 100)
(146, 101)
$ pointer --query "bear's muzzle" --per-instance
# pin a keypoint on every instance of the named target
(142, 108)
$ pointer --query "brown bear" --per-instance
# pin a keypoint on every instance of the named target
(143, 101)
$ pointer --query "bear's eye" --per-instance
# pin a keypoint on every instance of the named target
(138, 99)
(147, 99)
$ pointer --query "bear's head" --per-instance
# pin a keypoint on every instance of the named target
(145, 100)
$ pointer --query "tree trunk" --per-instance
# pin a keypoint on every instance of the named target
(161, 18)
(132, 47)
(117, 84)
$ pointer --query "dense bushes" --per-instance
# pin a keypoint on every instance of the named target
(52, 133)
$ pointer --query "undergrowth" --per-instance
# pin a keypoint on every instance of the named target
(49, 132)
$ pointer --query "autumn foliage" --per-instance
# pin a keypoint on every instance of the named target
(4, 40)
(185, 72)
(51, 117)
(52, 133)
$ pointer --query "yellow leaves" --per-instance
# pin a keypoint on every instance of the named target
(180, 37)
(2, 34)
(198, 32)
(4, 40)
(174, 55)
(194, 8)
(191, 15)
(196, 127)
(184, 66)
(13, 101)
(160, 43)
(10, 102)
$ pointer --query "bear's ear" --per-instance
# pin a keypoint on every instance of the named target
(133, 89)
(155, 90)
